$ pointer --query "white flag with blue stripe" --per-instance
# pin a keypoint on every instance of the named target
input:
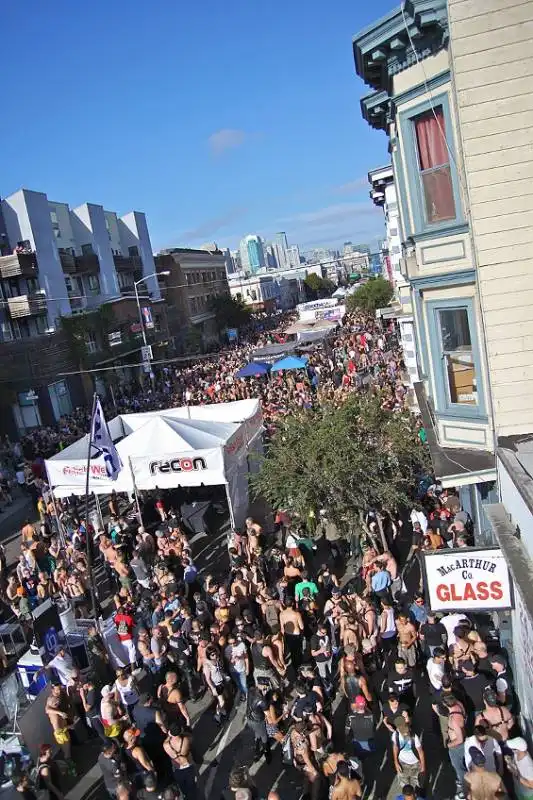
(102, 442)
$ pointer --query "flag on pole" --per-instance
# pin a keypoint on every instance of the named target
(101, 440)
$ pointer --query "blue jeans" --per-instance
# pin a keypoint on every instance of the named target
(457, 758)
(239, 678)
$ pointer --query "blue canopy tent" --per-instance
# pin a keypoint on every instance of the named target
(253, 370)
(290, 362)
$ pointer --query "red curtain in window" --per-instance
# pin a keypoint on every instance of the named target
(434, 166)
(430, 136)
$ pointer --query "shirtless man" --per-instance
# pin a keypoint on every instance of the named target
(240, 589)
(254, 531)
(497, 718)
(454, 734)
(407, 638)
(76, 591)
(292, 628)
(58, 711)
(345, 788)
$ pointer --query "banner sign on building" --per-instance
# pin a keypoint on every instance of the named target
(468, 579)
(233, 334)
(147, 317)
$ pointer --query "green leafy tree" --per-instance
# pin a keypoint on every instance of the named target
(317, 286)
(192, 342)
(376, 293)
(230, 312)
(344, 460)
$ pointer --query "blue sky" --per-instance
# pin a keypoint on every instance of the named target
(216, 119)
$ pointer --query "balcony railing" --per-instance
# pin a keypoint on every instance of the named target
(76, 265)
(128, 263)
(88, 263)
(25, 305)
(18, 265)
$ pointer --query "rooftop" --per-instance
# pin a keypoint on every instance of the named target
(383, 49)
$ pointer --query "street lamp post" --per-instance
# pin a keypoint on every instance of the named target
(135, 284)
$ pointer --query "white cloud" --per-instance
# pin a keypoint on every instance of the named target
(225, 139)
(351, 187)
(357, 221)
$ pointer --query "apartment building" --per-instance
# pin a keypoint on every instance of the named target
(57, 263)
(450, 88)
(491, 48)
(405, 59)
(383, 194)
(196, 275)
(259, 292)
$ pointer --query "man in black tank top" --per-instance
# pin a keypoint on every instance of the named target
(264, 664)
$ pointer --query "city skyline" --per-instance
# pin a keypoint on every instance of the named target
(138, 137)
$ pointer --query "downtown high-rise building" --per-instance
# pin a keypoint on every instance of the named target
(281, 247)
(252, 253)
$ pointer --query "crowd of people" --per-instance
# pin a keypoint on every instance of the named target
(300, 623)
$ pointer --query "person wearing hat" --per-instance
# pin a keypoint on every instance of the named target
(360, 726)
(497, 718)
(504, 688)
(111, 714)
(408, 793)
(487, 745)
(520, 765)
(481, 783)
(408, 755)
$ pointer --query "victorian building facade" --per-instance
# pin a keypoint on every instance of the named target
(450, 90)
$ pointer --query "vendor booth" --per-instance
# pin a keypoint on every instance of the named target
(186, 447)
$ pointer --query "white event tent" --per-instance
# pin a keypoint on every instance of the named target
(189, 446)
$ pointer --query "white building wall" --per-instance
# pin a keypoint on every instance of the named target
(113, 232)
(27, 216)
(89, 226)
(492, 65)
(134, 231)
(407, 337)
(521, 623)
(64, 237)
(392, 225)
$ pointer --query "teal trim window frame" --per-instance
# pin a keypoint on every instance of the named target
(414, 173)
(421, 343)
(456, 358)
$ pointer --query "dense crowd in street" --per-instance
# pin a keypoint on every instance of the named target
(285, 631)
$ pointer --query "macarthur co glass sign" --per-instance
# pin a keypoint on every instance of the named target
(468, 579)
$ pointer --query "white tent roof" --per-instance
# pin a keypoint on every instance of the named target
(161, 435)
(235, 411)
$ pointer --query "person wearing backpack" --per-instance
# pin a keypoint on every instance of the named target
(408, 755)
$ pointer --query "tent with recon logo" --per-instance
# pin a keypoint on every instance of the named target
(165, 450)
